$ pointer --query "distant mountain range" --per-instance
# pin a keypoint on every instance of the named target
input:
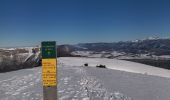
(150, 46)
(151, 51)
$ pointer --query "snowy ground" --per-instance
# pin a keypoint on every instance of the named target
(117, 65)
(84, 83)
(94, 54)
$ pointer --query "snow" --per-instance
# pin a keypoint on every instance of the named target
(77, 82)
(80, 47)
(8, 48)
(115, 53)
(16, 85)
(94, 54)
(97, 55)
(137, 86)
(91, 54)
(30, 54)
(118, 55)
(165, 56)
(126, 57)
(82, 53)
(117, 65)
(27, 48)
(81, 86)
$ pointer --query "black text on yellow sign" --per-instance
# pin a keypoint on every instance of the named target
(49, 72)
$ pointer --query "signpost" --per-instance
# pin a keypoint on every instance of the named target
(49, 70)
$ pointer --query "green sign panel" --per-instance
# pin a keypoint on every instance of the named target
(48, 49)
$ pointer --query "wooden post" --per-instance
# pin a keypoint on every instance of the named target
(50, 93)
(49, 70)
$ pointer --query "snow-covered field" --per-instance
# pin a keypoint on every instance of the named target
(77, 82)
(93, 54)
(118, 55)
(117, 65)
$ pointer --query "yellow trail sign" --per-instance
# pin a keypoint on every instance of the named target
(49, 72)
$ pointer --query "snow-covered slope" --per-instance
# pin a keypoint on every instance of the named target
(74, 84)
(117, 65)
(86, 83)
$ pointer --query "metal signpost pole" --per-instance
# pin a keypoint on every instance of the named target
(49, 70)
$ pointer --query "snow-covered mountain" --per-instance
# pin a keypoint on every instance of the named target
(148, 38)
(147, 46)
(19, 58)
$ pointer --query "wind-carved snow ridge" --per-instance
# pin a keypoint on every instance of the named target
(85, 87)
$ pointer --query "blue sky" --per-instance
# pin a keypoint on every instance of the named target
(28, 22)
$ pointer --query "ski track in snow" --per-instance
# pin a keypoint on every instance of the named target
(87, 88)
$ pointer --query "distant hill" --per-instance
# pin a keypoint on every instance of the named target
(149, 46)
